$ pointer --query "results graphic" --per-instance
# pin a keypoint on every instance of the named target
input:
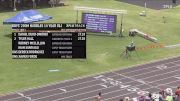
(65, 41)
(100, 22)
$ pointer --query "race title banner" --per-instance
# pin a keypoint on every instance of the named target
(36, 41)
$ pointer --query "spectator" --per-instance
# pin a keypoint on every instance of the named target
(149, 97)
(34, 3)
(134, 99)
(169, 94)
(121, 100)
(174, 2)
(174, 98)
(161, 96)
(141, 98)
(126, 99)
(169, 91)
(178, 91)
(98, 98)
(177, 98)
(52, 2)
(155, 97)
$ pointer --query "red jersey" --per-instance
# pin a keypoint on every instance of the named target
(178, 92)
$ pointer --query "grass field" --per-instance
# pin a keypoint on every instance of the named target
(103, 53)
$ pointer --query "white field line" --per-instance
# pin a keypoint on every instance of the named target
(91, 86)
(106, 88)
(55, 83)
(132, 93)
(118, 91)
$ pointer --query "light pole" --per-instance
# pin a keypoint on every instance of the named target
(145, 5)
(34, 3)
(14, 5)
(121, 26)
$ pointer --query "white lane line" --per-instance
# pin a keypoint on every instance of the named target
(169, 83)
(89, 92)
(149, 67)
(149, 82)
(95, 85)
(156, 75)
(102, 89)
(103, 85)
(53, 90)
(125, 83)
(170, 59)
(122, 94)
(113, 92)
(158, 79)
(142, 79)
(153, 75)
(99, 76)
(159, 75)
(22, 95)
(136, 80)
(162, 67)
(178, 77)
(88, 82)
(122, 73)
(64, 90)
(132, 93)
(151, 72)
(92, 80)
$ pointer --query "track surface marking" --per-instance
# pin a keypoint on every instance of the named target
(114, 85)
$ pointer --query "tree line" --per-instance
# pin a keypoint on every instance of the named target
(22, 4)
